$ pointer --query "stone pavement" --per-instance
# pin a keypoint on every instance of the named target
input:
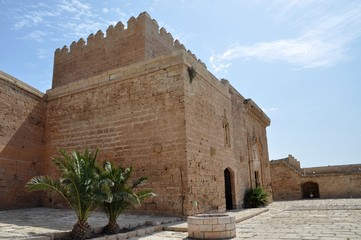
(306, 219)
(45, 223)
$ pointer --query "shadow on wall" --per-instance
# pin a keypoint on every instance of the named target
(22, 118)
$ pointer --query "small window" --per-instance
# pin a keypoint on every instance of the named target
(227, 140)
(227, 134)
(256, 178)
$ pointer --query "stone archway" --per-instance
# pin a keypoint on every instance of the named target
(310, 190)
(228, 189)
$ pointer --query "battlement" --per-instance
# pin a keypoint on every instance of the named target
(142, 39)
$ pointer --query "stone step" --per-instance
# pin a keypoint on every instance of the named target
(241, 215)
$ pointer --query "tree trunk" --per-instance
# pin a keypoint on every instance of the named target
(81, 231)
(111, 228)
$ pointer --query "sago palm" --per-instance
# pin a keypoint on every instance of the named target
(78, 185)
(122, 194)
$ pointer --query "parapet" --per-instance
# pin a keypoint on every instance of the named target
(20, 84)
(256, 112)
(140, 40)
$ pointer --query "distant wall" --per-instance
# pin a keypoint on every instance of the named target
(341, 185)
(288, 179)
(22, 118)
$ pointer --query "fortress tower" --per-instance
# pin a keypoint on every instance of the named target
(141, 40)
(147, 102)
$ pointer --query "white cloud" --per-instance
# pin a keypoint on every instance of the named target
(270, 110)
(73, 17)
(28, 20)
(42, 53)
(82, 29)
(320, 44)
(76, 7)
(37, 36)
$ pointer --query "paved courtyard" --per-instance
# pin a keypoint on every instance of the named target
(307, 219)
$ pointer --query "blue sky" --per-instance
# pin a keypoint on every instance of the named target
(299, 60)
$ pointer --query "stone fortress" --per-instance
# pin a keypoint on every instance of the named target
(145, 101)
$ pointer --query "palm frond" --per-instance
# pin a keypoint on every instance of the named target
(138, 181)
(122, 193)
(46, 183)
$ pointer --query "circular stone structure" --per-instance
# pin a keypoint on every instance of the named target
(211, 226)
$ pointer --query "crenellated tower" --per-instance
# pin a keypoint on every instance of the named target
(141, 40)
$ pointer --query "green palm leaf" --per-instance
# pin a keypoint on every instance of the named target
(78, 185)
(123, 194)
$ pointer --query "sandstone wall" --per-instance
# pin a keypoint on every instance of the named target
(286, 182)
(207, 103)
(333, 181)
(255, 124)
(135, 115)
(352, 168)
(211, 105)
(168, 121)
(341, 185)
(22, 118)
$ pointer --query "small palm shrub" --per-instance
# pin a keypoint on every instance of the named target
(255, 197)
(78, 185)
(122, 193)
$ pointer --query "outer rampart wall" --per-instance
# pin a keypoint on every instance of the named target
(342, 181)
(22, 116)
(339, 185)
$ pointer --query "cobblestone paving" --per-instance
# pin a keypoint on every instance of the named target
(306, 220)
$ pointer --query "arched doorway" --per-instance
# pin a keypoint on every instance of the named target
(310, 190)
(228, 189)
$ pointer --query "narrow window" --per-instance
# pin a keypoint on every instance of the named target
(227, 135)
(256, 178)
(227, 140)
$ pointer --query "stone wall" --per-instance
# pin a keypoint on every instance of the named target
(255, 124)
(207, 103)
(22, 119)
(288, 179)
(286, 182)
(167, 122)
(135, 119)
(339, 185)
(212, 108)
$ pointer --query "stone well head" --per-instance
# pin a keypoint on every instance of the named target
(211, 226)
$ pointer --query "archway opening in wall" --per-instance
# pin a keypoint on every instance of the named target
(310, 190)
(228, 189)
